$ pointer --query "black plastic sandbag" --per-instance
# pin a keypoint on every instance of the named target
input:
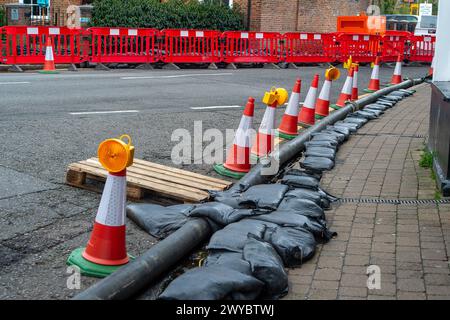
(214, 282)
(307, 194)
(228, 197)
(317, 164)
(221, 213)
(338, 136)
(157, 220)
(294, 245)
(233, 260)
(323, 143)
(353, 127)
(326, 137)
(378, 109)
(364, 114)
(359, 121)
(388, 103)
(293, 219)
(300, 181)
(234, 235)
(302, 206)
(321, 152)
(299, 172)
(340, 129)
(390, 97)
(263, 196)
(267, 266)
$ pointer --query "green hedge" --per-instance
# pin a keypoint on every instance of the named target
(2, 16)
(176, 14)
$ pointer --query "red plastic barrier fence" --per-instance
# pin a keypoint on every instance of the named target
(394, 43)
(422, 48)
(252, 47)
(309, 47)
(124, 45)
(2, 54)
(27, 45)
(190, 46)
(361, 47)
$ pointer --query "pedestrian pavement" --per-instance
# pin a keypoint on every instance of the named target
(410, 243)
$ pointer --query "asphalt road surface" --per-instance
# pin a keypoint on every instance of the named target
(49, 121)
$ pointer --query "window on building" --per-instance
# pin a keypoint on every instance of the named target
(36, 11)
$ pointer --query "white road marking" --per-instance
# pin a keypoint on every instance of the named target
(178, 76)
(103, 112)
(215, 107)
(17, 82)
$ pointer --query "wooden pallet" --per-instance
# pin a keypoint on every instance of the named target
(147, 177)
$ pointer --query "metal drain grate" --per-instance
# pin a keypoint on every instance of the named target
(419, 136)
(393, 201)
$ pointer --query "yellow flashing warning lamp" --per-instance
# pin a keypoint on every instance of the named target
(348, 63)
(276, 95)
(332, 73)
(116, 154)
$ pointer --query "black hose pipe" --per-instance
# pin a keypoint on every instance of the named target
(145, 270)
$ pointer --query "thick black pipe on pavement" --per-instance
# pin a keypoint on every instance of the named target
(159, 259)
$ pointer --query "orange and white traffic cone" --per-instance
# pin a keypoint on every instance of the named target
(346, 92)
(431, 70)
(265, 137)
(306, 117)
(49, 64)
(288, 126)
(397, 76)
(374, 83)
(238, 159)
(355, 82)
(323, 101)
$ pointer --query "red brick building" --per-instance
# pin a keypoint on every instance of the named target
(297, 15)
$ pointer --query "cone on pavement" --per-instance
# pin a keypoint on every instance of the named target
(355, 82)
(346, 92)
(306, 117)
(397, 76)
(265, 137)
(49, 64)
(238, 159)
(374, 83)
(323, 101)
(106, 249)
(431, 70)
(288, 126)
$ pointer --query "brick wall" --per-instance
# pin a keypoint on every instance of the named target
(298, 15)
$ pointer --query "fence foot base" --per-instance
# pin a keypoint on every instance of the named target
(72, 67)
(213, 66)
(15, 68)
(292, 66)
(101, 67)
(145, 66)
(271, 66)
(231, 66)
(171, 66)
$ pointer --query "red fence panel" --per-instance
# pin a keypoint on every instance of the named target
(422, 48)
(309, 47)
(252, 47)
(394, 43)
(190, 46)
(123, 45)
(27, 45)
(2, 54)
(361, 47)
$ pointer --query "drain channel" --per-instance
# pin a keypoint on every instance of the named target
(393, 201)
(418, 136)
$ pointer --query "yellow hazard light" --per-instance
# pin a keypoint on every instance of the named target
(332, 73)
(276, 95)
(116, 154)
(348, 63)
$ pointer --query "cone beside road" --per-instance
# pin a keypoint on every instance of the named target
(288, 126)
(374, 83)
(106, 249)
(49, 64)
(355, 82)
(238, 159)
(431, 70)
(323, 101)
(346, 92)
(397, 76)
(306, 117)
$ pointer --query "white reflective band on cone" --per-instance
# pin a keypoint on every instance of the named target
(49, 54)
(292, 108)
(355, 79)
(325, 92)
(398, 68)
(268, 121)
(310, 100)
(111, 211)
(375, 72)
(242, 138)
(347, 89)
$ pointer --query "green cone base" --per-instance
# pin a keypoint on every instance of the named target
(318, 116)
(220, 169)
(369, 91)
(285, 135)
(48, 72)
(335, 107)
(88, 268)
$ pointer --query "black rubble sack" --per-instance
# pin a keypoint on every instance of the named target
(323, 143)
(221, 213)
(358, 121)
(303, 181)
(234, 235)
(317, 164)
(294, 245)
(321, 152)
(233, 260)
(267, 266)
(310, 195)
(263, 196)
(157, 220)
(302, 206)
(340, 129)
(291, 218)
(326, 137)
(228, 197)
(338, 136)
(352, 127)
(215, 282)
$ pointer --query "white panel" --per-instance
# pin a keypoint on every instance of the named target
(355, 38)
(366, 38)
(53, 30)
(303, 36)
(114, 32)
(244, 35)
(317, 36)
(184, 33)
(199, 34)
(132, 32)
(259, 36)
(32, 31)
